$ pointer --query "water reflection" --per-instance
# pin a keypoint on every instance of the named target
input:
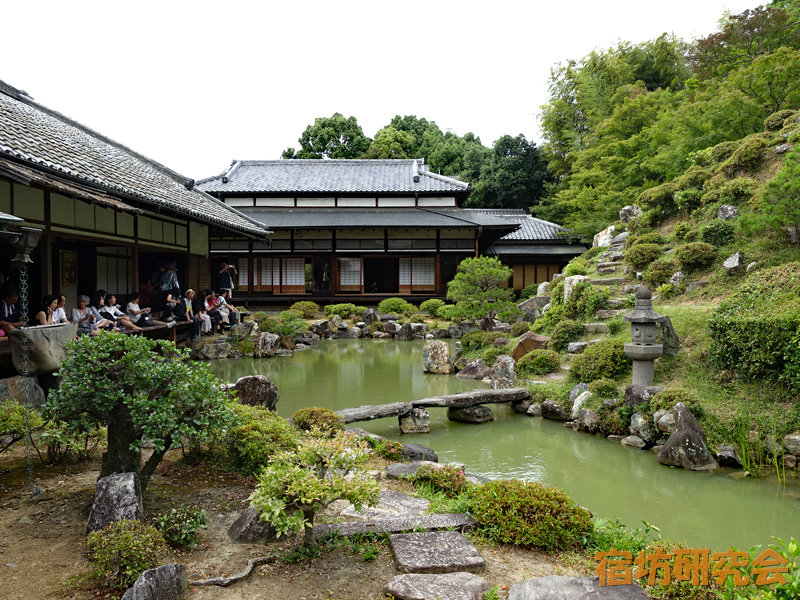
(702, 509)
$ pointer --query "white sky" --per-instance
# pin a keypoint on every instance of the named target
(195, 85)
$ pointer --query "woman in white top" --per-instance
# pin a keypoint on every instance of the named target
(85, 319)
(132, 308)
(120, 317)
(60, 315)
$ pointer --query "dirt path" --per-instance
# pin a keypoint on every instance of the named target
(40, 542)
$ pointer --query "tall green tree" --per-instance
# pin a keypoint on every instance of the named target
(392, 143)
(479, 288)
(332, 137)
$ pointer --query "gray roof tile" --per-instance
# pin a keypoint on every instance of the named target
(338, 176)
(530, 228)
(47, 140)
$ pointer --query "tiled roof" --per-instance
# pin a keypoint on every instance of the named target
(331, 177)
(327, 218)
(43, 139)
(530, 228)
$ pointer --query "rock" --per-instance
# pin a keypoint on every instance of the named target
(606, 271)
(726, 212)
(578, 403)
(783, 148)
(416, 421)
(529, 341)
(287, 342)
(475, 369)
(542, 289)
(793, 234)
(252, 328)
(608, 281)
(370, 316)
(639, 394)
(552, 410)
(446, 586)
(686, 447)
(665, 422)
(789, 461)
(266, 345)
(336, 321)
(521, 406)
(416, 452)
(307, 337)
(436, 358)
(595, 327)
(283, 352)
(256, 390)
(677, 278)
(400, 470)
(249, 529)
(641, 426)
(576, 347)
(321, 328)
(734, 263)
(391, 503)
(588, 420)
(629, 212)
(12, 388)
(46, 347)
(384, 336)
(633, 441)
(613, 256)
(570, 282)
(354, 332)
(791, 443)
(535, 410)
(668, 335)
(167, 582)
(559, 587)
(751, 267)
(695, 285)
(405, 334)
(503, 374)
(419, 328)
(577, 390)
(390, 327)
(471, 414)
(440, 333)
(117, 497)
(501, 341)
(215, 351)
(603, 239)
(620, 239)
(370, 412)
(728, 457)
(435, 552)
(472, 398)
(606, 314)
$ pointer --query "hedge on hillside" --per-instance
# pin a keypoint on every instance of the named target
(755, 332)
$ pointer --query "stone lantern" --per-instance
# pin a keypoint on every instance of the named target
(643, 350)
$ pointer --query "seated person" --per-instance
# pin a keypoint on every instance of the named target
(226, 309)
(199, 309)
(185, 312)
(60, 315)
(120, 317)
(132, 308)
(84, 318)
(212, 312)
(46, 311)
(10, 317)
(98, 304)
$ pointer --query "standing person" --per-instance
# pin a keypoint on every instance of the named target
(60, 314)
(11, 317)
(46, 311)
(227, 277)
(170, 279)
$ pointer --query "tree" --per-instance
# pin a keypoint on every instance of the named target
(478, 287)
(142, 390)
(778, 207)
(333, 137)
(391, 143)
(297, 483)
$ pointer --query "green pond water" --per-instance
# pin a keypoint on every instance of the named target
(708, 510)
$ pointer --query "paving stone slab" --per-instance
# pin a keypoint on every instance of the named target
(391, 504)
(435, 552)
(473, 398)
(368, 413)
(447, 586)
(460, 521)
(557, 587)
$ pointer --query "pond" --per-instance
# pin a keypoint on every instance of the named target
(708, 510)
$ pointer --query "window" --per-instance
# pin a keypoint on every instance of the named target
(351, 277)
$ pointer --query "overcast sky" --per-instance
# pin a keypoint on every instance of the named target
(197, 84)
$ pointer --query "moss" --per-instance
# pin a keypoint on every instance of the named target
(695, 256)
(775, 121)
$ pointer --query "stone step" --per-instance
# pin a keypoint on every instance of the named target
(435, 552)
(608, 281)
(370, 412)
(473, 398)
(559, 587)
(606, 265)
(392, 525)
(447, 586)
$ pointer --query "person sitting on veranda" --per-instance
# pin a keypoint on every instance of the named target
(60, 314)
(84, 317)
(226, 309)
(11, 317)
(115, 313)
(184, 312)
(199, 309)
(211, 310)
(132, 308)
(46, 311)
(97, 304)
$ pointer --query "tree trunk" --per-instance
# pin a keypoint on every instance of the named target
(121, 434)
(151, 464)
(308, 513)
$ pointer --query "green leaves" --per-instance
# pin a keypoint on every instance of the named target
(478, 287)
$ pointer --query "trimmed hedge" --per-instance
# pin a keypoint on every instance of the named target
(641, 255)
(605, 359)
(538, 362)
(696, 255)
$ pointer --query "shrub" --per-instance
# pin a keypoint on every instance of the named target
(695, 255)
(657, 196)
(729, 192)
(604, 388)
(448, 479)
(538, 362)
(12, 422)
(596, 250)
(605, 359)
(577, 266)
(388, 449)
(376, 327)
(449, 312)
(718, 232)
(694, 177)
(288, 322)
(289, 315)
(517, 329)
(667, 291)
(667, 399)
(417, 317)
(121, 551)
(397, 306)
(431, 306)
(529, 291)
(261, 434)
(710, 157)
(564, 332)
(652, 237)
(660, 271)
(179, 526)
(680, 231)
(585, 300)
(63, 443)
(528, 514)
(774, 122)
(491, 354)
(689, 199)
(474, 340)
(314, 416)
(642, 255)
(747, 156)
(306, 308)
(343, 310)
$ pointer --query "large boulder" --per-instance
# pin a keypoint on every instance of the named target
(728, 457)
(215, 351)
(416, 452)
(629, 212)
(603, 239)
(390, 327)
(668, 336)
(529, 341)
(266, 345)
(353, 333)
(542, 289)
(642, 427)
(578, 403)
(588, 420)
(436, 357)
(475, 369)
(560, 587)
(13, 388)
(552, 410)
(639, 394)
(117, 497)
(250, 529)
(46, 347)
(726, 212)
(577, 390)
(321, 328)
(503, 374)
(734, 263)
(370, 316)
(167, 582)
(791, 443)
(620, 238)
(686, 446)
(256, 390)
(569, 283)
(405, 334)
(471, 414)
(416, 421)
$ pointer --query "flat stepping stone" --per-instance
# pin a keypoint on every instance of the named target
(608, 281)
(435, 552)
(391, 504)
(398, 470)
(368, 413)
(557, 587)
(460, 521)
(473, 398)
(448, 586)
